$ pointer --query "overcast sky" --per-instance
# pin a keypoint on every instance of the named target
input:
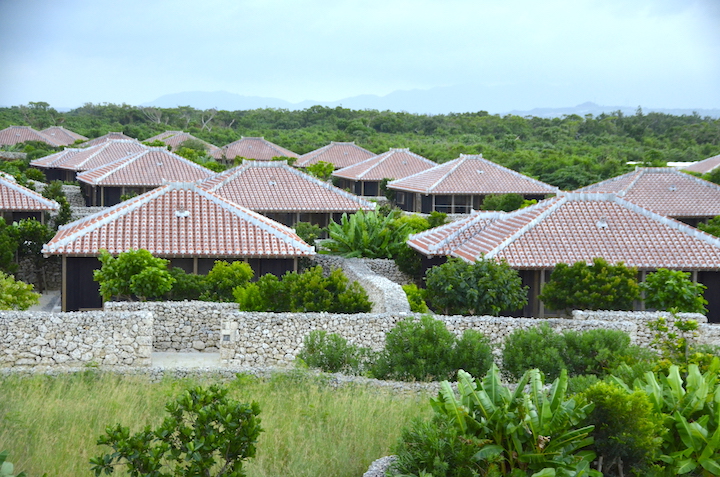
(656, 53)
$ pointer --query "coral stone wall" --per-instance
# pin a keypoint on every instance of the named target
(72, 339)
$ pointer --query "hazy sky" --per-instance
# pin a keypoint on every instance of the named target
(656, 53)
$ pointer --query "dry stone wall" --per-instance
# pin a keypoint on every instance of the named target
(75, 339)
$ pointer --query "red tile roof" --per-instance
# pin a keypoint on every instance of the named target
(664, 190)
(62, 135)
(16, 134)
(340, 154)
(705, 166)
(273, 186)
(471, 174)
(174, 139)
(107, 137)
(75, 159)
(394, 164)
(575, 227)
(153, 167)
(255, 148)
(16, 198)
(178, 219)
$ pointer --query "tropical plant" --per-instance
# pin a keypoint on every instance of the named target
(321, 169)
(206, 434)
(691, 415)
(599, 286)
(672, 289)
(16, 295)
(487, 429)
(132, 274)
(366, 234)
(485, 287)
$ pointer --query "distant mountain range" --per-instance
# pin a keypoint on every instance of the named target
(440, 100)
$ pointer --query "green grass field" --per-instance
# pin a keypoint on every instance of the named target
(51, 424)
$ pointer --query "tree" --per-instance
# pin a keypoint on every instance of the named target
(8, 247)
(672, 289)
(224, 277)
(485, 287)
(321, 169)
(16, 295)
(599, 286)
(31, 235)
(133, 274)
(54, 191)
(712, 227)
(503, 202)
(207, 434)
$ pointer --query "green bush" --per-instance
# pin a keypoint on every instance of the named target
(309, 291)
(35, 174)
(133, 274)
(627, 432)
(308, 232)
(436, 219)
(424, 350)
(538, 347)
(321, 169)
(485, 287)
(409, 261)
(673, 290)
(485, 429)
(224, 278)
(54, 191)
(594, 351)
(331, 353)
(8, 247)
(599, 286)
(502, 202)
(206, 434)
(416, 298)
(187, 286)
(16, 295)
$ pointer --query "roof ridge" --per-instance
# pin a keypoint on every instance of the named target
(559, 200)
(459, 161)
(511, 171)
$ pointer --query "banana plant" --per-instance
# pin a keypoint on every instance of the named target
(691, 411)
(366, 234)
(519, 431)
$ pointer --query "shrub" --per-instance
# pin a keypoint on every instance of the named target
(502, 202)
(331, 353)
(594, 351)
(539, 347)
(308, 232)
(224, 277)
(485, 429)
(205, 434)
(16, 295)
(416, 223)
(409, 261)
(366, 234)
(425, 350)
(133, 274)
(599, 286)
(321, 169)
(672, 289)
(304, 292)
(627, 432)
(485, 287)
(187, 286)
(54, 191)
(436, 219)
(35, 174)
(416, 298)
(8, 247)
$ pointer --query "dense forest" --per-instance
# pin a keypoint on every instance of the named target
(568, 152)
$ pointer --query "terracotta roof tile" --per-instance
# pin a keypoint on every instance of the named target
(62, 135)
(340, 154)
(107, 137)
(179, 219)
(16, 198)
(153, 167)
(575, 227)
(471, 174)
(255, 148)
(17, 134)
(175, 138)
(664, 190)
(705, 166)
(75, 159)
(273, 186)
(394, 164)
